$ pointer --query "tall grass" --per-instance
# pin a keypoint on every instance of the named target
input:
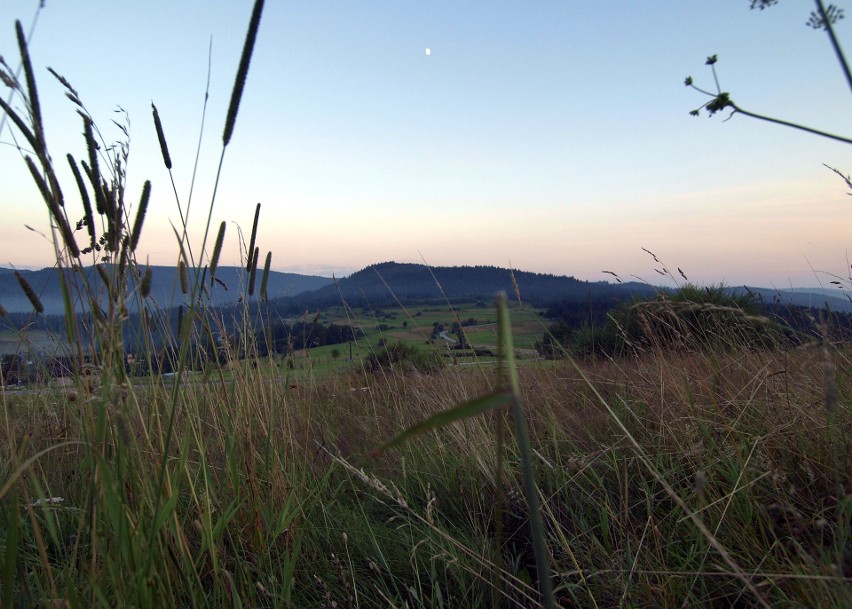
(272, 496)
(139, 519)
(714, 475)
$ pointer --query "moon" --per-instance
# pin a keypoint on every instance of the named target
(428, 51)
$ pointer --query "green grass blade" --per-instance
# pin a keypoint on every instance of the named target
(463, 411)
(26, 464)
(225, 520)
(10, 558)
(165, 512)
(507, 358)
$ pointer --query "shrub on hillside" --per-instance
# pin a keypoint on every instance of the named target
(562, 338)
(402, 357)
(695, 317)
(691, 317)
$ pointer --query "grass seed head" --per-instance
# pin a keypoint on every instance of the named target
(180, 321)
(7, 76)
(40, 183)
(53, 199)
(145, 286)
(70, 92)
(32, 92)
(104, 275)
(250, 263)
(88, 219)
(217, 250)
(97, 311)
(253, 272)
(29, 292)
(184, 284)
(164, 147)
(265, 278)
(93, 170)
(140, 215)
(19, 123)
(242, 72)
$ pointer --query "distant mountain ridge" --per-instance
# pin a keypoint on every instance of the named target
(386, 283)
(816, 298)
(383, 284)
(165, 286)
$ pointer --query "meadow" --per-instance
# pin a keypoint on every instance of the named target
(259, 492)
(684, 473)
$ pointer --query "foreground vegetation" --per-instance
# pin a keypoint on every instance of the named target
(263, 494)
(703, 466)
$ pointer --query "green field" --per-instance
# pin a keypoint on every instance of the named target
(413, 326)
(31, 341)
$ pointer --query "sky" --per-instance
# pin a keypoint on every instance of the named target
(551, 136)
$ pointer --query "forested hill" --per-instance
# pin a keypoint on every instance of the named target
(382, 284)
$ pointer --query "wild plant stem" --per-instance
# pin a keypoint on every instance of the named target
(834, 42)
(30, 33)
(784, 123)
(184, 346)
(198, 148)
(500, 419)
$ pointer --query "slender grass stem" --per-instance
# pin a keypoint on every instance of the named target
(542, 556)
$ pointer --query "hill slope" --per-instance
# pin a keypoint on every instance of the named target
(386, 283)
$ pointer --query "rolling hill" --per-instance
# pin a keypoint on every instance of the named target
(388, 283)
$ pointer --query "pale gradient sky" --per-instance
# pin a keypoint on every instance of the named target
(552, 135)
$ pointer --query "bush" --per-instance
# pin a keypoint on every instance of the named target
(402, 357)
(689, 318)
(695, 317)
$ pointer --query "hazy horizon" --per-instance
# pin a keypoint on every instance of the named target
(656, 280)
(550, 138)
